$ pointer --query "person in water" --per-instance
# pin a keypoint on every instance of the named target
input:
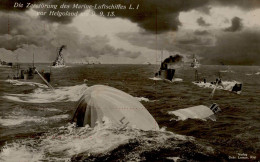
(219, 82)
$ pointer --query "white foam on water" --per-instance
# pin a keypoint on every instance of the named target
(173, 80)
(21, 83)
(17, 152)
(17, 120)
(257, 73)
(173, 158)
(20, 116)
(13, 120)
(177, 80)
(5, 66)
(49, 109)
(60, 66)
(227, 85)
(142, 99)
(56, 117)
(227, 71)
(62, 94)
(156, 78)
(163, 129)
(67, 141)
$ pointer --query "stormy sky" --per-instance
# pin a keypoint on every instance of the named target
(216, 31)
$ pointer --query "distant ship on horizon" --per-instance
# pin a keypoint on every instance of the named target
(195, 63)
(6, 64)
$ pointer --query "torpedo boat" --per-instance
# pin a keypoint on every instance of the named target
(195, 63)
(5, 64)
(167, 68)
(232, 86)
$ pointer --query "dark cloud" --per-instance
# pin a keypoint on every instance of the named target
(15, 30)
(234, 48)
(173, 59)
(181, 42)
(244, 4)
(167, 12)
(169, 41)
(152, 15)
(13, 43)
(25, 32)
(202, 22)
(7, 5)
(235, 26)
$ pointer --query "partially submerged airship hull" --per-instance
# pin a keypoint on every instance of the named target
(197, 112)
(99, 102)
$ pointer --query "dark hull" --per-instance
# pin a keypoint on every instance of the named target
(237, 87)
(166, 74)
(31, 75)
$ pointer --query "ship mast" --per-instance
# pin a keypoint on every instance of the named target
(33, 59)
(156, 34)
(8, 27)
(161, 55)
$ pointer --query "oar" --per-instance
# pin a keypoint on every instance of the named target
(48, 84)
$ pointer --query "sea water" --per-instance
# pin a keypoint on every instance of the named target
(35, 121)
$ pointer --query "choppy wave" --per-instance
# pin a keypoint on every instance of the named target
(5, 66)
(173, 80)
(257, 73)
(11, 120)
(39, 95)
(226, 85)
(177, 80)
(20, 116)
(49, 109)
(20, 83)
(104, 142)
(227, 71)
(156, 78)
(144, 99)
(59, 66)
(17, 120)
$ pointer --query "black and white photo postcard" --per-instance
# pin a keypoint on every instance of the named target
(130, 80)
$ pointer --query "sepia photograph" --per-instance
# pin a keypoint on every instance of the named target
(130, 80)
